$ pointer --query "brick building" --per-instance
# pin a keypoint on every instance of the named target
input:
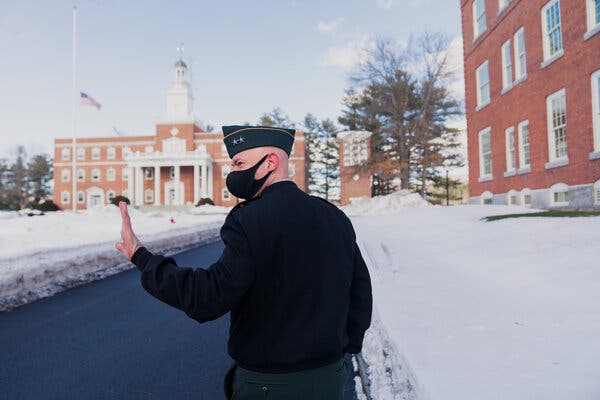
(177, 165)
(532, 78)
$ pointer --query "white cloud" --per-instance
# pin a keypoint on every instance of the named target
(329, 26)
(348, 55)
(387, 4)
(384, 4)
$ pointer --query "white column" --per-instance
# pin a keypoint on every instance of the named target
(157, 185)
(196, 187)
(130, 192)
(203, 187)
(210, 182)
(178, 195)
(139, 186)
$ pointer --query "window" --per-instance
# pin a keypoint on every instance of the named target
(506, 66)
(596, 108)
(511, 159)
(511, 198)
(526, 197)
(485, 153)
(479, 23)
(487, 198)
(225, 194)
(502, 4)
(65, 153)
(149, 149)
(225, 169)
(80, 197)
(95, 153)
(110, 194)
(597, 192)
(65, 175)
(483, 85)
(557, 125)
(64, 198)
(81, 175)
(149, 195)
(172, 173)
(96, 175)
(149, 173)
(81, 153)
(126, 152)
(524, 158)
(593, 15)
(292, 169)
(559, 195)
(520, 58)
(125, 173)
(110, 153)
(110, 174)
(551, 30)
(125, 193)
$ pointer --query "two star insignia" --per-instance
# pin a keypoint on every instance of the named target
(236, 141)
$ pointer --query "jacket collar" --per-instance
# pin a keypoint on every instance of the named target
(279, 185)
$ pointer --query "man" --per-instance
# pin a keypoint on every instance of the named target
(291, 274)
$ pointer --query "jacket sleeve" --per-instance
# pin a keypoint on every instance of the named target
(203, 294)
(361, 304)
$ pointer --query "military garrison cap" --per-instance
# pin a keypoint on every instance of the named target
(239, 138)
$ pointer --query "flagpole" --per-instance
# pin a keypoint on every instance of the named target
(74, 106)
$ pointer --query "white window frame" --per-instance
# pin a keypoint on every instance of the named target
(548, 55)
(502, 4)
(596, 109)
(487, 195)
(522, 159)
(292, 169)
(148, 195)
(558, 188)
(126, 152)
(149, 173)
(111, 174)
(225, 195)
(596, 189)
(110, 192)
(511, 152)
(65, 197)
(65, 153)
(593, 19)
(507, 66)
(95, 153)
(225, 170)
(81, 153)
(480, 102)
(125, 174)
(476, 15)
(111, 153)
(65, 175)
(482, 174)
(526, 192)
(81, 175)
(551, 128)
(520, 70)
(149, 149)
(509, 198)
(80, 197)
(94, 177)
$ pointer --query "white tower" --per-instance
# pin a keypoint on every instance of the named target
(179, 97)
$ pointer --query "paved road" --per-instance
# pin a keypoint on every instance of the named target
(111, 340)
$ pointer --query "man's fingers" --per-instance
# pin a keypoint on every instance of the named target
(124, 213)
(119, 246)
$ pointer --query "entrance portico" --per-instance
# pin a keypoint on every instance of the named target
(174, 189)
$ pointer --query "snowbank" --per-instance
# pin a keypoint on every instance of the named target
(387, 204)
(42, 255)
(482, 310)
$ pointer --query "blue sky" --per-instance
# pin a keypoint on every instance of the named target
(247, 57)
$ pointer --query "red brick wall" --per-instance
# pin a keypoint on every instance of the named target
(527, 100)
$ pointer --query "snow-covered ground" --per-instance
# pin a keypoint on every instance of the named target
(41, 255)
(467, 309)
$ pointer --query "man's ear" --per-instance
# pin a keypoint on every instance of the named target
(272, 162)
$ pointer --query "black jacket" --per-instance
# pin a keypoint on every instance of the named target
(292, 275)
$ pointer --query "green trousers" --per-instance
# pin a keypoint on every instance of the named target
(325, 382)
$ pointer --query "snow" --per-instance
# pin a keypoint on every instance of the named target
(390, 203)
(41, 255)
(467, 309)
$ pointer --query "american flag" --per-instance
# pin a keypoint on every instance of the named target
(89, 100)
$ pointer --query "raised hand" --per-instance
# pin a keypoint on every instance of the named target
(130, 242)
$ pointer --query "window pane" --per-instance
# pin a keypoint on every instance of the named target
(597, 11)
(553, 28)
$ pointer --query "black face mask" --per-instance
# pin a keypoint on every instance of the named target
(242, 183)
